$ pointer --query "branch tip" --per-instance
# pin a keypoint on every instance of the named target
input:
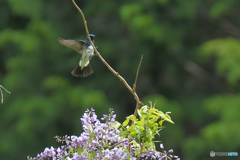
(135, 83)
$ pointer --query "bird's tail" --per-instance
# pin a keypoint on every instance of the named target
(86, 71)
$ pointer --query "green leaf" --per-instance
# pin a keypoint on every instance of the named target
(125, 123)
(144, 109)
(116, 125)
(131, 127)
(133, 133)
(132, 118)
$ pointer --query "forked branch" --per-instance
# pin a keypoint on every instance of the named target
(132, 90)
(1, 87)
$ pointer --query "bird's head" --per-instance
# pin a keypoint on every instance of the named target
(91, 36)
(87, 43)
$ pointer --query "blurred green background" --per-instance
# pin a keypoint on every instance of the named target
(191, 66)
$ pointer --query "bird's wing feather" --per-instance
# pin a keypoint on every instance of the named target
(74, 44)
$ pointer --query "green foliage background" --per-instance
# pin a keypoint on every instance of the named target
(191, 67)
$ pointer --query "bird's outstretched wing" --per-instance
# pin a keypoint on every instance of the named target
(74, 44)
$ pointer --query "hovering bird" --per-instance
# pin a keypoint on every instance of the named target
(85, 48)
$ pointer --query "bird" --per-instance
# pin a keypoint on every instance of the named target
(85, 48)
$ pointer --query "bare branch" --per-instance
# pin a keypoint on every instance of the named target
(1, 87)
(108, 66)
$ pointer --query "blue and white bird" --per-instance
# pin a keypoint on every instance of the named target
(85, 48)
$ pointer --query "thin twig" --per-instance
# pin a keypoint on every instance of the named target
(108, 66)
(1, 87)
(111, 147)
(135, 83)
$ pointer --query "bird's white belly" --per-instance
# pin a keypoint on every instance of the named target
(86, 56)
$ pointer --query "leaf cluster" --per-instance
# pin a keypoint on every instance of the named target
(142, 130)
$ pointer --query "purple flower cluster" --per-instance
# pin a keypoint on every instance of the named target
(99, 141)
